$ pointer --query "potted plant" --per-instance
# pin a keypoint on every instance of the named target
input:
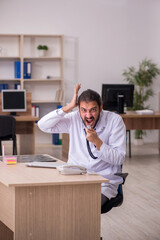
(42, 50)
(142, 78)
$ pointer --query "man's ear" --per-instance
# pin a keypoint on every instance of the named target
(101, 107)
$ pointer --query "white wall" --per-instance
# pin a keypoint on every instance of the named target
(112, 34)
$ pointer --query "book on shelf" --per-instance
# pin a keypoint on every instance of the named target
(35, 111)
(26, 70)
(59, 95)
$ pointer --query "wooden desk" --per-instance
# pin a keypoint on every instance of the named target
(39, 203)
(25, 127)
(134, 121)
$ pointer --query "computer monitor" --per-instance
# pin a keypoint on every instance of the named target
(116, 96)
(13, 101)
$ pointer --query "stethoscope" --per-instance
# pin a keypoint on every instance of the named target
(88, 147)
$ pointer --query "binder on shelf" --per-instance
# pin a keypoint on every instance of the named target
(29, 70)
(26, 70)
(60, 134)
(59, 106)
(3, 86)
(55, 138)
(17, 86)
(17, 69)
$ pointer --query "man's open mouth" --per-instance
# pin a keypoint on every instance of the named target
(89, 121)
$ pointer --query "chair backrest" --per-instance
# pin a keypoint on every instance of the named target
(7, 126)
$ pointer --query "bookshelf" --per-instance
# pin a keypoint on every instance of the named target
(47, 93)
(47, 72)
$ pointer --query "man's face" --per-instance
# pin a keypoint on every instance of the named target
(90, 113)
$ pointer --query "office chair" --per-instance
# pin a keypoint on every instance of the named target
(118, 200)
(7, 131)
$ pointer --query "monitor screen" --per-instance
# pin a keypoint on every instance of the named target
(117, 96)
(13, 101)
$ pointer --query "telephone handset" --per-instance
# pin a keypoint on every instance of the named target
(71, 169)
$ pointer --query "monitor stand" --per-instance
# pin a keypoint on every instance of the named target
(13, 113)
(120, 101)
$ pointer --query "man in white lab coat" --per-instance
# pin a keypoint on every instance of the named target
(97, 137)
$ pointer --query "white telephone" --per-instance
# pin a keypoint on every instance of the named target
(71, 169)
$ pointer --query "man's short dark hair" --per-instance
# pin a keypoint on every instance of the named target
(89, 96)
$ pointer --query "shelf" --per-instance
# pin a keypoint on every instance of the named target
(43, 80)
(9, 58)
(31, 58)
(10, 79)
(45, 101)
(44, 58)
(10, 35)
(42, 35)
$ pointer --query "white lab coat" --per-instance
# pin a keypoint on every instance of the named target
(110, 129)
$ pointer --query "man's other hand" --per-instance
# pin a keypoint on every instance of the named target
(92, 137)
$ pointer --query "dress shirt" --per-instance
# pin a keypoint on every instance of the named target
(110, 129)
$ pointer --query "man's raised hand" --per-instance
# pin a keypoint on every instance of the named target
(73, 102)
